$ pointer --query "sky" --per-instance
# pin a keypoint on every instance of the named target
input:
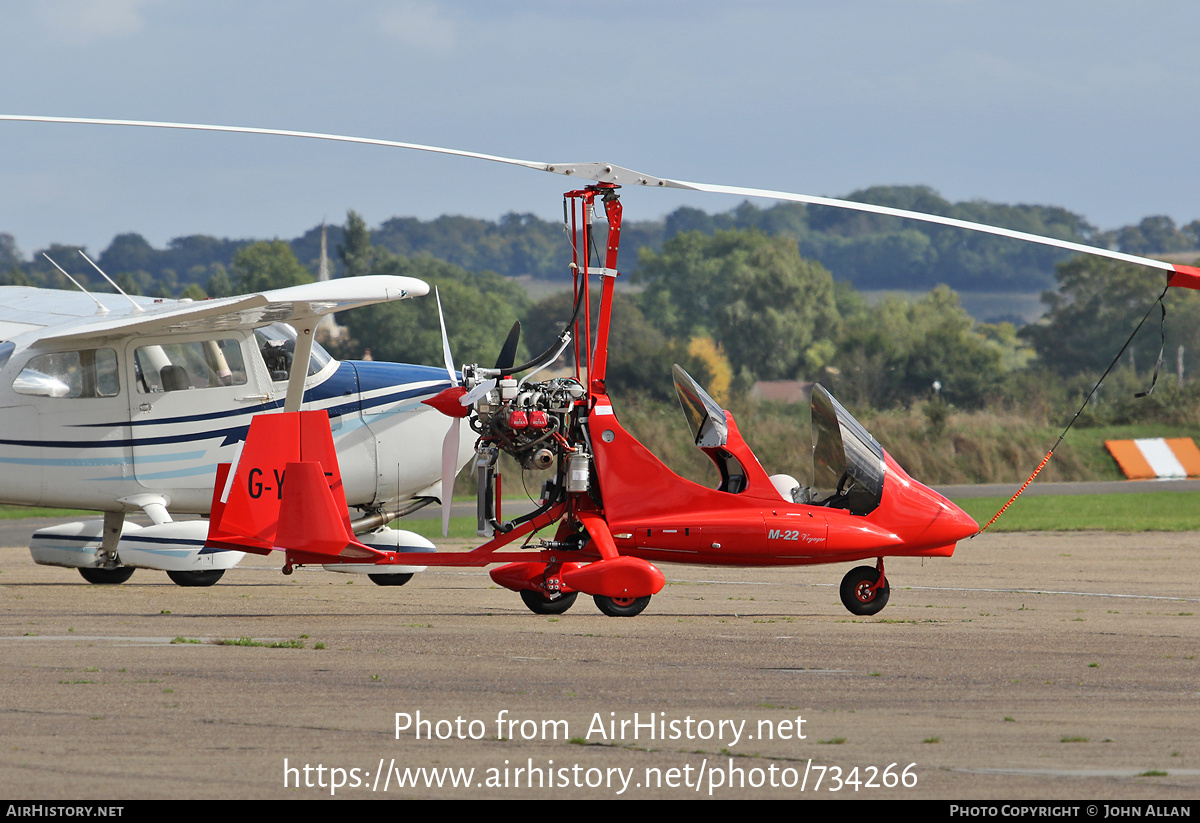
(1093, 105)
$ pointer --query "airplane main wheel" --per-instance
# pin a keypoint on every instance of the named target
(858, 594)
(390, 579)
(205, 577)
(621, 606)
(538, 603)
(107, 577)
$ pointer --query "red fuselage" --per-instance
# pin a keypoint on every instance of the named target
(657, 515)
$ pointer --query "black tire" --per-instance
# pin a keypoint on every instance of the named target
(206, 577)
(857, 595)
(621, 606)
(390, 579)
(107, 577)
(538, 603)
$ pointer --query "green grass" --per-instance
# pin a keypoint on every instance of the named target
(460, 527)
(1134, 512)
(21, 512)
(250, 641)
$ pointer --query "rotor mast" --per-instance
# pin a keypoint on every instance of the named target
(592, 357)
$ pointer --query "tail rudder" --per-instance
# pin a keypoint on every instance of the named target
(218, 536)
(249, 515)
(285, 492)
(314, 526)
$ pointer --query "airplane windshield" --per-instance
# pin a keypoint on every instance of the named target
(848, 465)
(277, 343)
(705, 418)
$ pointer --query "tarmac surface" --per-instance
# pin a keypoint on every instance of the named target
(1028, 666)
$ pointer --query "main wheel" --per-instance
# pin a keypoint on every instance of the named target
(107, 577)
(390, 579)
(205, 577)
(538, 603)
(858, 594)
(621, 606)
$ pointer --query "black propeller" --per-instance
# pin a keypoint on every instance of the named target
(508, 352)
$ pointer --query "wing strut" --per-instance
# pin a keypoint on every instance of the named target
(305, 329)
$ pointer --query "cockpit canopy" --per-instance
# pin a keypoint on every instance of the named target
(845, 457)
(844, 469)
(705, 417)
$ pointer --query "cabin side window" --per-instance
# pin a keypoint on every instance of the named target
(200, 364)
(85, 373)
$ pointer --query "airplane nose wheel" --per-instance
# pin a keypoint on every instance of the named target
(107, 577)
(859, 594)
(621, 606)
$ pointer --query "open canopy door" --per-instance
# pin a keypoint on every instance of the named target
(848, 464)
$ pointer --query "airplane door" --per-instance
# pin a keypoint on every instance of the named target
(190, 398)
(66, 431)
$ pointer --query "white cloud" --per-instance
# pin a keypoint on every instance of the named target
(421, 26)
(80, 22)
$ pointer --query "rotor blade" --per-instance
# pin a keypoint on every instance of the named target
(932, 218)
(508, 352)
(449, 360)
(608, 173)
(311, 135)
(449, 467)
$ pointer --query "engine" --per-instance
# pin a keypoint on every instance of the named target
(532, 422)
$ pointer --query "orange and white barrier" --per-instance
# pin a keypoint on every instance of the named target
(1156, 457)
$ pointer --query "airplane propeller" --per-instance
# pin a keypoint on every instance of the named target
(456, 402)
(508, 352)
(450, 442)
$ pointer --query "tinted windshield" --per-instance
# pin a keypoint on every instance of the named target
(848, 464)
(705, 418)
(277, 343)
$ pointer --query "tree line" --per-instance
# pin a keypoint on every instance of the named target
(869, 251)
(731, 297)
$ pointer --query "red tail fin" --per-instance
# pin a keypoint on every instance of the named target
(313, 518)
(217, 534)
(251, 510)
(307, 513)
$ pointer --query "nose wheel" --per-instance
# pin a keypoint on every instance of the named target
(621, 606)
(861, 591)
(107, 577)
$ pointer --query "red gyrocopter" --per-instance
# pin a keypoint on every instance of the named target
(615, 508)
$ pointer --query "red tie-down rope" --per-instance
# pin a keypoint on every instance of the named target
(1086, 400)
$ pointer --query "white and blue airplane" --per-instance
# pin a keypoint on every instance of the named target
(125, 405)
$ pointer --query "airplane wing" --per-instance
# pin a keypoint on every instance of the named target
(23, 310)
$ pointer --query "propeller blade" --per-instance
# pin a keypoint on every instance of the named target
(479, 391)
(449, 472)
(1180, 275)
(449, 360)
(508, 353)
